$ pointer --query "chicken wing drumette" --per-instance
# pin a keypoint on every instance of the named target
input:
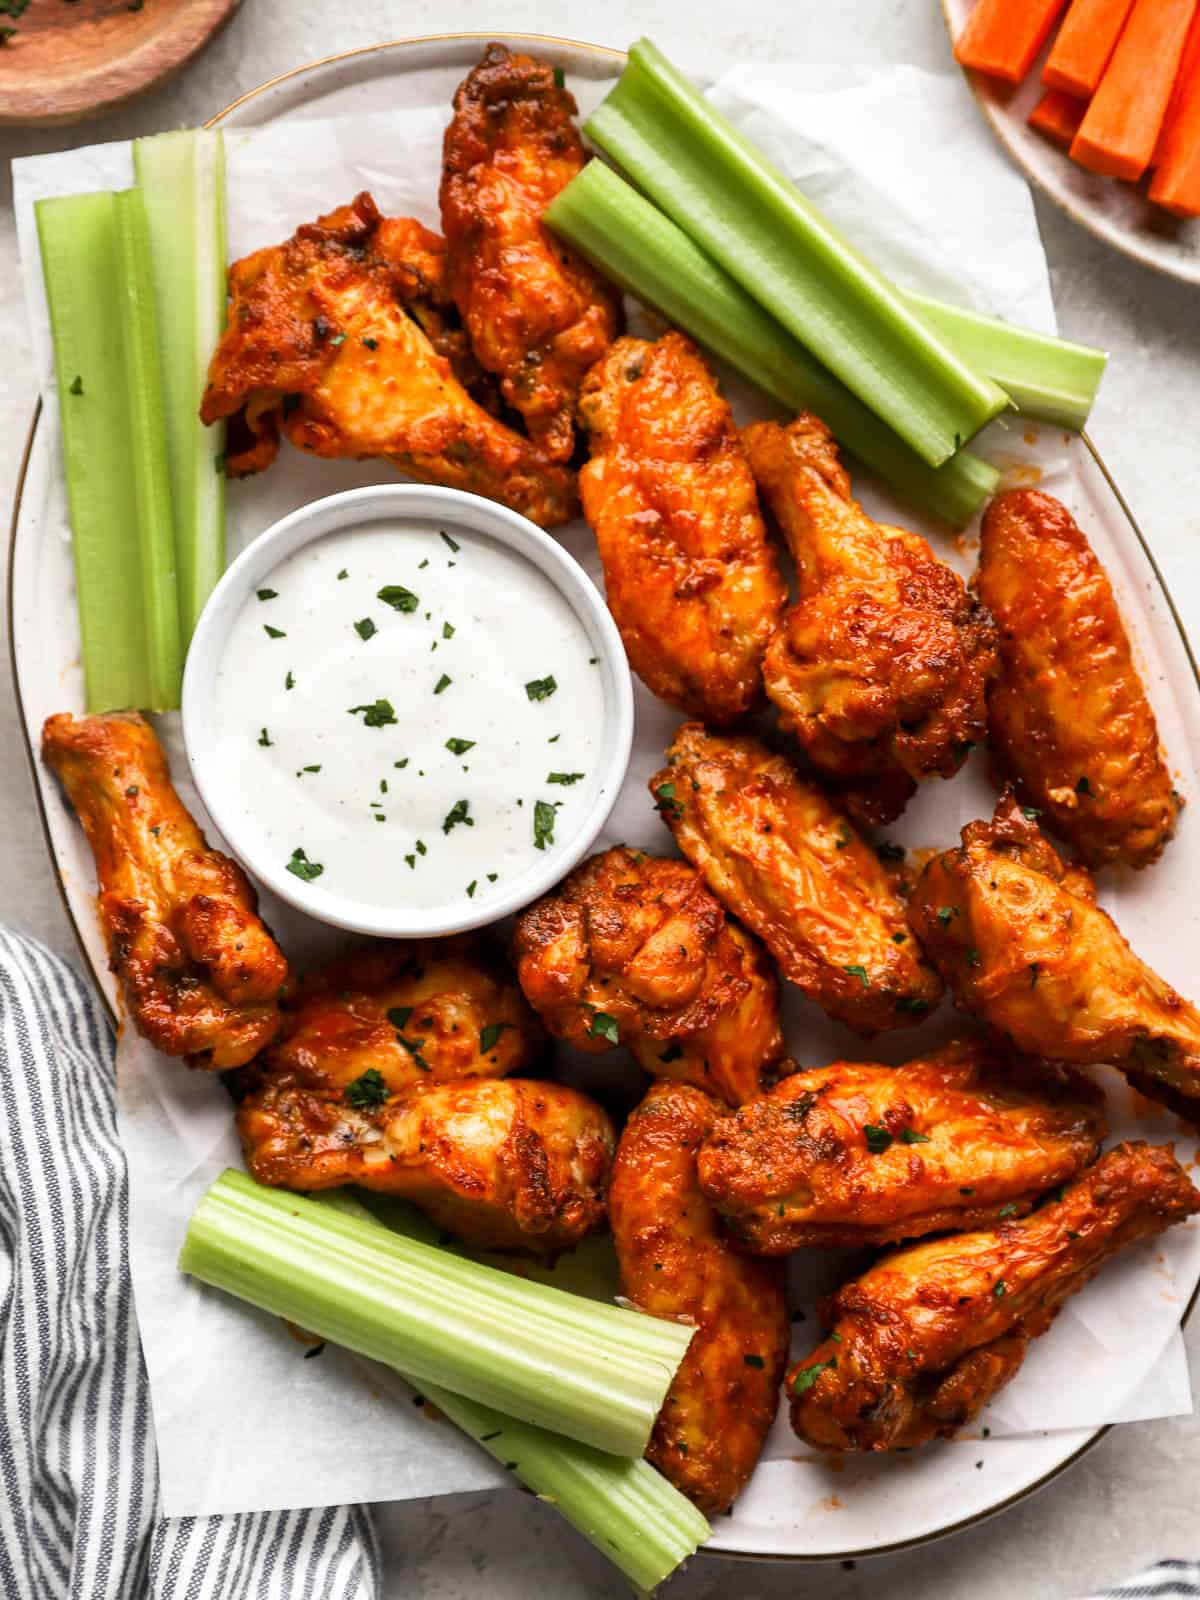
(879, 670)
(691, 579)
(779, 855)
(675, 1263)
(537, 315)
(1068, 716)
(859, 1154)
(927, 1336)
(633, 949)
(502, 1163)
(408, 1012)
(340, 339)
(202, 975)
(1020, 940)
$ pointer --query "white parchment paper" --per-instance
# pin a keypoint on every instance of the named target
(245, 1417)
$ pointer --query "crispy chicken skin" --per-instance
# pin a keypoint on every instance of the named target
(860, 1154)
(415, 1012)
(1068, 716)
(691, 578)
(879, 670)
(777, 853)
(502, 1163)
(633, 948)
(537, 316)
(674, 1262)
(1021, 942)
(928, 1335)
(202, 975)
(333, 339)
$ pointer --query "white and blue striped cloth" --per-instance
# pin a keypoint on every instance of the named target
(79, 1518)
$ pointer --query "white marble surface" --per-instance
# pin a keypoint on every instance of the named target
(1133, 1497)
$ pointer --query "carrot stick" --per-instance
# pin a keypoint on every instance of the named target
(1003, 37)
(1085, 42)
(1187, 84)
(1058, 115)
(1176, 183)
(1119, 132)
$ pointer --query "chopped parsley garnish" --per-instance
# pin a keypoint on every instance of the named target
(413, 1046)
(453, 544)
(367, 1091)
(972, 957)
(343, 574)
(911, 1136)
(490, 1034)
(492, 876)
(421, 850)
(301, 867)
(602, 1026)
(945, 913)
(555, 739)
(378, 715)
(398, 1017)
(365, 628)
(458, 812)
(398, 597)
(317, 768)
(421, 565)
(459, 747)
(665, 802)
(273, 633)
(1007, 1211)
(338, 338)
(289, 682)
(754, 1361)
(1033, 974)
(471, 887)
(400, 765)
(267, 594)
(1032, 812)
(805, 1379)
(899, 938)
(443, 682)
(887, 851)
(565, 778)
(1083, 786)
(264, 738)
(76, 384)
(447, 630)
(560, 82)
(371, 344)
(913, 1004)
(860, 973)
(540, 688)
(131, 792)
(672, 1053)
(999, 1288)
(543, 823)
(878, 1139)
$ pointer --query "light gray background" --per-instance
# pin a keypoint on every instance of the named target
(1136, 1496)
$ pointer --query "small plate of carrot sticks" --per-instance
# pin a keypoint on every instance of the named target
(1098, 102)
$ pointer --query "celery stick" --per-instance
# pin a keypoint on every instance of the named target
(591, 1371)
(182, 179)
(633, 243)
(114, 449)
(627, 1509)
(1045, 377)
(690, 161)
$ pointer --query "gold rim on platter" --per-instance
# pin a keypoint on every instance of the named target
(607, 53)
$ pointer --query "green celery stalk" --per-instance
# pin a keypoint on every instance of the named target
(96, 268)
(591, 1371)
(1048, 378)
(743, 213)
(637, 246)
(624, 1507)
(182, 180)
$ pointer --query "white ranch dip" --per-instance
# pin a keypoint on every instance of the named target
(416, 714)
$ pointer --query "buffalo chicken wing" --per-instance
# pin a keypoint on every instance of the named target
(691, 579)
(201, 973)
(859, 1154)
(675, 1263)
(633, 949)
(879, 671)
(779, 855)
(340, 339)
(928, 1335)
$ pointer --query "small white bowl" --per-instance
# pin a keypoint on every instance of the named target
(217, 782)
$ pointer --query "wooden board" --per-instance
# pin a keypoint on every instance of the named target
(67, 59)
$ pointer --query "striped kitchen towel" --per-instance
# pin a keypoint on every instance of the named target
(78, 1474)
(1165, 1580)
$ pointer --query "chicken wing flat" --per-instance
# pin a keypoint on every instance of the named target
(1021, 942)
(501, 1163)
(879, 670)
(675, 1263)
(778, 854)
(928, 1335)
(324, 343)
(1068, 716)
(860, 1154)
(537, 315)
(633, 949)
(406, 1013)
(691, 578)
(202, 976)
